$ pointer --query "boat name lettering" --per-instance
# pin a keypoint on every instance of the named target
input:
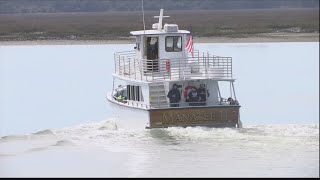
(174, 117)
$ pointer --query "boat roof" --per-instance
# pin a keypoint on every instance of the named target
(157, 32)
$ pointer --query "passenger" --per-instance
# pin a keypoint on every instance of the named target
(174, 96)
(152, 55)
(155, 50)
(232, 102)
(192, 97)
(203, 94)
(149, 55)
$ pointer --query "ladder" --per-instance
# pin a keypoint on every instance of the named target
(157, 94)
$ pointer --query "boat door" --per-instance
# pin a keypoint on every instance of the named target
(152, 53)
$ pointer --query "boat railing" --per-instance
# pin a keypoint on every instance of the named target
(160, 104)
(200, 66)
(121, 59)
(222, 102)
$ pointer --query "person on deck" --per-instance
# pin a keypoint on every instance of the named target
(203, 94)
(174, 96)
(192, 97)
(232, 102)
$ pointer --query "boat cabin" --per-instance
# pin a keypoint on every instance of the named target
(160, 43)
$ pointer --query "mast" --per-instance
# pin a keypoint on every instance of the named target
(159, 26)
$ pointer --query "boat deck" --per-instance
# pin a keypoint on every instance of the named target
(197, 67)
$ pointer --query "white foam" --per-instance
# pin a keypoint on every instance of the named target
(64, 142)
(44, 132)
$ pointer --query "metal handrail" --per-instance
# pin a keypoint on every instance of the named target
(205, 66)
(192, 104)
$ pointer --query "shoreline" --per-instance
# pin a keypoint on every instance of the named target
(256, 38)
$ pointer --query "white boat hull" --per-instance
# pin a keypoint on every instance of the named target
(129, 117)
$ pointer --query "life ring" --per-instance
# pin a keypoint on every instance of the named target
(187, 90)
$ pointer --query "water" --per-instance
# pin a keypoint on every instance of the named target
(55, 121)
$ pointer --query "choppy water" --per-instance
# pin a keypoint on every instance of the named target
(101, 149)
(56, 122)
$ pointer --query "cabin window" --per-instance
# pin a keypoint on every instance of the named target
(137, 93)
(173, 43)
(128, 92)
(134, 93)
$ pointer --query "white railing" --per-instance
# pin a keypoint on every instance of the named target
(160, 104)
(197, 67)
(222, 102)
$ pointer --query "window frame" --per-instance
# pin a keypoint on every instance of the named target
(172, 49)
(134, 93)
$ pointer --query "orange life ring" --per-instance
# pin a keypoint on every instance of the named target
(187, 90)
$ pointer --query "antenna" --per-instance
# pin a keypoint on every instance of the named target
(160, 19)
(144, 25)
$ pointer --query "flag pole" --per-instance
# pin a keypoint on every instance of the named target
(144, 25)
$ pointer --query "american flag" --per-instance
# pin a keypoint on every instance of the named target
(189, 45)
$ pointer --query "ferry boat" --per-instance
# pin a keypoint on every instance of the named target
(163, 82)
